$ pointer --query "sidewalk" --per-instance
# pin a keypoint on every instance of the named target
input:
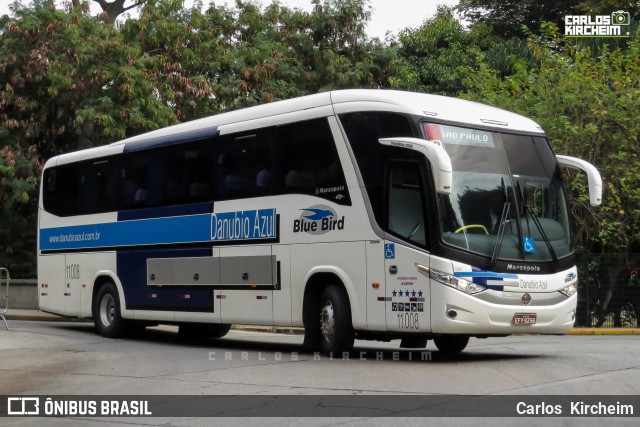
(14, 314)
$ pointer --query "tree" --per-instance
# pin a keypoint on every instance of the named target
(428, 58)
(605, 7)
(506, 17)
(114, 8)
(247, 55)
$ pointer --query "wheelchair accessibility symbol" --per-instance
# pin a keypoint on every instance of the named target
(389, 251)
(529, 245)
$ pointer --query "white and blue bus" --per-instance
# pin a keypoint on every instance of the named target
(366, 214)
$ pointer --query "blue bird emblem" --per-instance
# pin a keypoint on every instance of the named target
(317, 214)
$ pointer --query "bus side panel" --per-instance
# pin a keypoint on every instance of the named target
(243, 267)
(80, 273)
(376, 320)
(347, 260)
(51, 283)
(282, 294)
(132, 272)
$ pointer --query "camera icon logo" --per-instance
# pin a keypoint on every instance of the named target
(620, 17)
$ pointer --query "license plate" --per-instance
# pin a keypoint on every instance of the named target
(524, 318)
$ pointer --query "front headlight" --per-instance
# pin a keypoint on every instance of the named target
(569, 290)
(447, 279)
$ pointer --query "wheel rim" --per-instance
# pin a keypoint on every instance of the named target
(327, 323)
(107, 310)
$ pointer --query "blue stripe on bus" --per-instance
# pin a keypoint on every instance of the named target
(259, 224)
(192, 135)
(179, 229)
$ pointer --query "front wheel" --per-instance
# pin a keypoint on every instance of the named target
(451, 343)
(106, 312)
(336, 329)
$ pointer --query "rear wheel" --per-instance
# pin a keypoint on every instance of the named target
(336, 329)
(106, 312)
(451, 343)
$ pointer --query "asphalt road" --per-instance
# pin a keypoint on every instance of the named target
(69, 358)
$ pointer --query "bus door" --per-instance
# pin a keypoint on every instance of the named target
(407, 290)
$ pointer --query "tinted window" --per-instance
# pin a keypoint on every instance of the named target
(405, 207)
(308, 162)
(189, 173)
(245, 165)
(100, 189)
(61, 190)
(363, 131)
(143, 178)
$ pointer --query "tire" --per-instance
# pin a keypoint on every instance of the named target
(219, 331)
(336, 329)
(106, 312)
(451, 343)
(198, 331)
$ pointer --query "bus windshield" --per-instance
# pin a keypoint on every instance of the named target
(507, 201)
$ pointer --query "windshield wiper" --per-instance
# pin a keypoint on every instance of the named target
(528, 212)
(506, 208)
(503, 222)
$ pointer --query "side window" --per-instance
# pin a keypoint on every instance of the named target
(189, 173)
(100, 186)
(142, 176)
(363, 131)
(245, 165)
(308, 162)
(405, 204)
(61, 192)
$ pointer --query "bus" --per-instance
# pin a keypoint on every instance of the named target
(368, 214)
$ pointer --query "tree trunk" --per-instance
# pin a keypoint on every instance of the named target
(114, 8)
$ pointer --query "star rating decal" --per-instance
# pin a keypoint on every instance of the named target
(412, 293)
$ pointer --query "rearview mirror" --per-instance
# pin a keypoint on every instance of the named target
(593, 176)
(435, 153)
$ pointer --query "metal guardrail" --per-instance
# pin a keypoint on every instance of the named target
(4, 277)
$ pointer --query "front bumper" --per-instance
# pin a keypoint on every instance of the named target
(475, 316)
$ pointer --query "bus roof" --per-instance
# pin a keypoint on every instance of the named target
(432, 107)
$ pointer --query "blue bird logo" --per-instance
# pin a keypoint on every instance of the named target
(317, 214)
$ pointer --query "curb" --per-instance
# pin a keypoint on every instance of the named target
(605, 331)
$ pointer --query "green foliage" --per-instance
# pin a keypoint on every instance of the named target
(604, 7)
(507, 17)
(429, 57)
(502, 55)
(588, 107)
